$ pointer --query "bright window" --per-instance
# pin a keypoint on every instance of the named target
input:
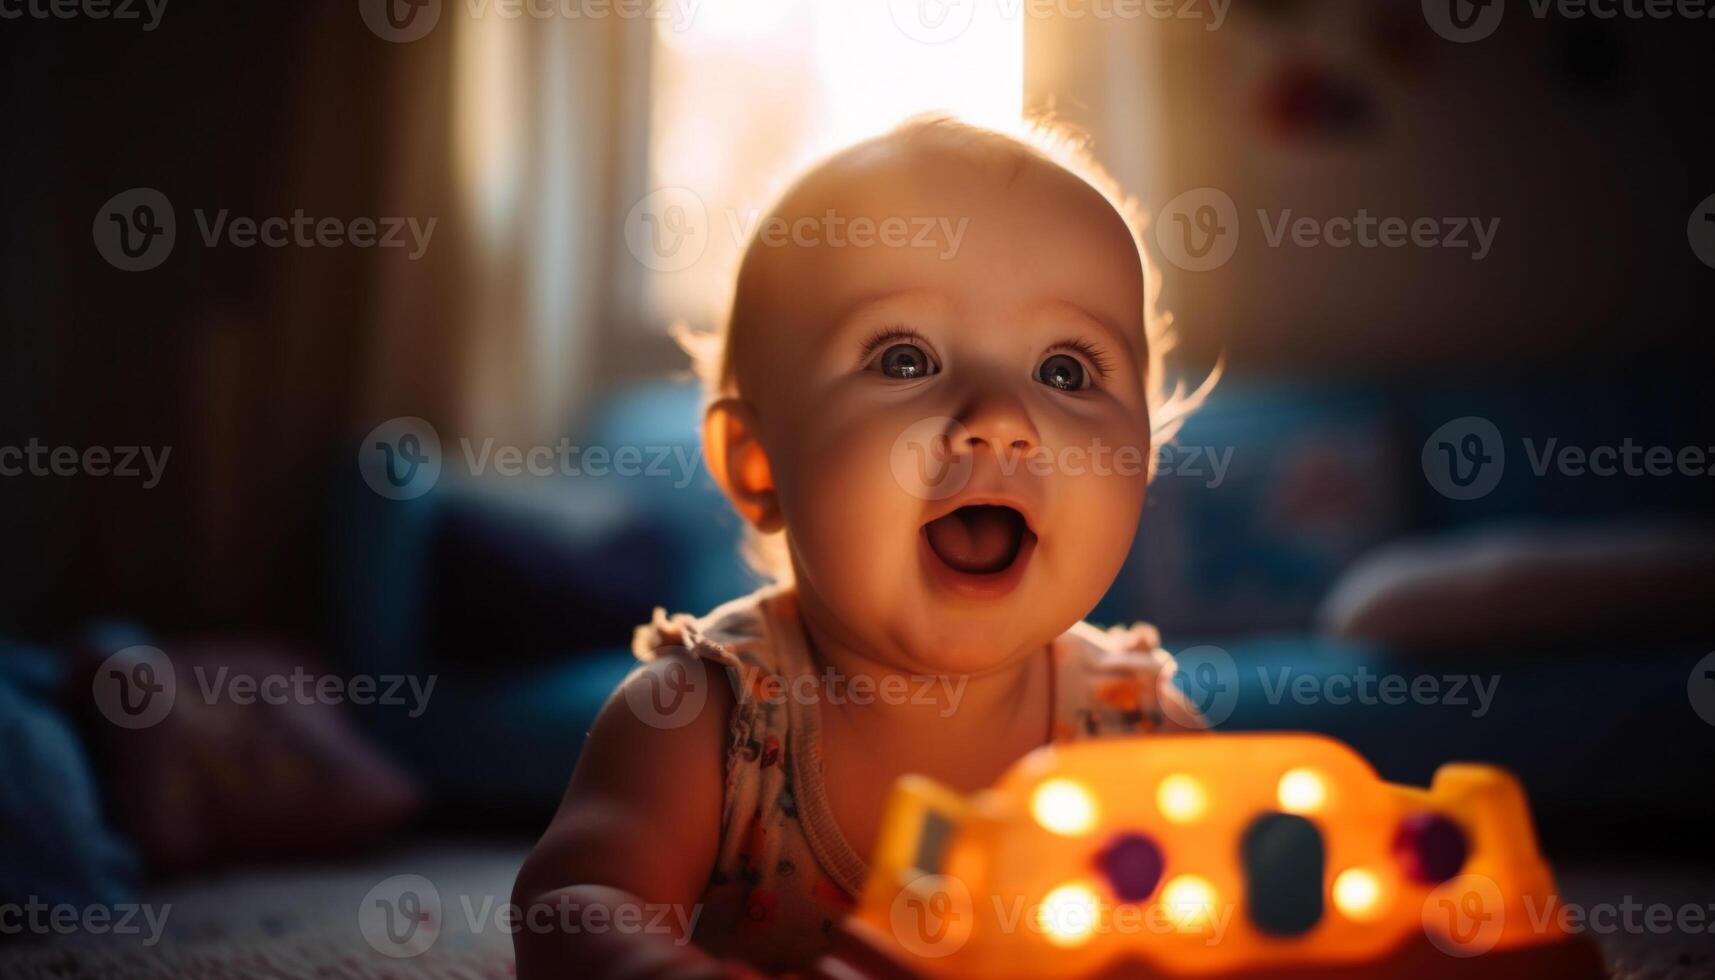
(749, 91)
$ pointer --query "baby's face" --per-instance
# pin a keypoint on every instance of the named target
(957, 431)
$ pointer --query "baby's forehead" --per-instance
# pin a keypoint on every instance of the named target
(973, 212)
(936, 169)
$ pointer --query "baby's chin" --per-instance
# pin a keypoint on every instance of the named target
(967, 646)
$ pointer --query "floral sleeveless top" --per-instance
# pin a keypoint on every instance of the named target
(785, 875)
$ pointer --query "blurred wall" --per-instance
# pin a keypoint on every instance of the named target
(259, 368)
(1589, 141)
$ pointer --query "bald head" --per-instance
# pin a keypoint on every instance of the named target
(902, 210)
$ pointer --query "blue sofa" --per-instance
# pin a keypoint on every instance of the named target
(524, 609)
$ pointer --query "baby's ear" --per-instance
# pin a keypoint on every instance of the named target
(738, 463)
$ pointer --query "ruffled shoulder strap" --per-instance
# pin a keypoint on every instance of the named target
(751, 638)
(735, 634)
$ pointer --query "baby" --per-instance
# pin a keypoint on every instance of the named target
(942, 453)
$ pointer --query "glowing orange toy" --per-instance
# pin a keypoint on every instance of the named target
(1209, 855)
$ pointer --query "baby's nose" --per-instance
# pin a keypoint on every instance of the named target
(998, 420)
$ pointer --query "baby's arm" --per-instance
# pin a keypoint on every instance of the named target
(640, 824)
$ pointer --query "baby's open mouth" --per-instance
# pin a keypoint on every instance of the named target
(978, 539)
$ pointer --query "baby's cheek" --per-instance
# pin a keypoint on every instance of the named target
(1100, 496)
(846, 502)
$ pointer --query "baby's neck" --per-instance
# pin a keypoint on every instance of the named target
(895, 705)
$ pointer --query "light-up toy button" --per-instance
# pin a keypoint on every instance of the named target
(1064, 807)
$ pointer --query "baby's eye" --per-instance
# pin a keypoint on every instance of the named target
(1063, 371)
(905, 361)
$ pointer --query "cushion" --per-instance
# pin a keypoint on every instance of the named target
(1528, 585)
(217, 780)
(58, 848)
(1269, 491)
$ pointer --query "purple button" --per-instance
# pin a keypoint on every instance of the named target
(1132, 864)
(1430, 847)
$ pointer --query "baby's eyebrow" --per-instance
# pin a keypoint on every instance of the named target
(866, 308)
(1125, 338)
